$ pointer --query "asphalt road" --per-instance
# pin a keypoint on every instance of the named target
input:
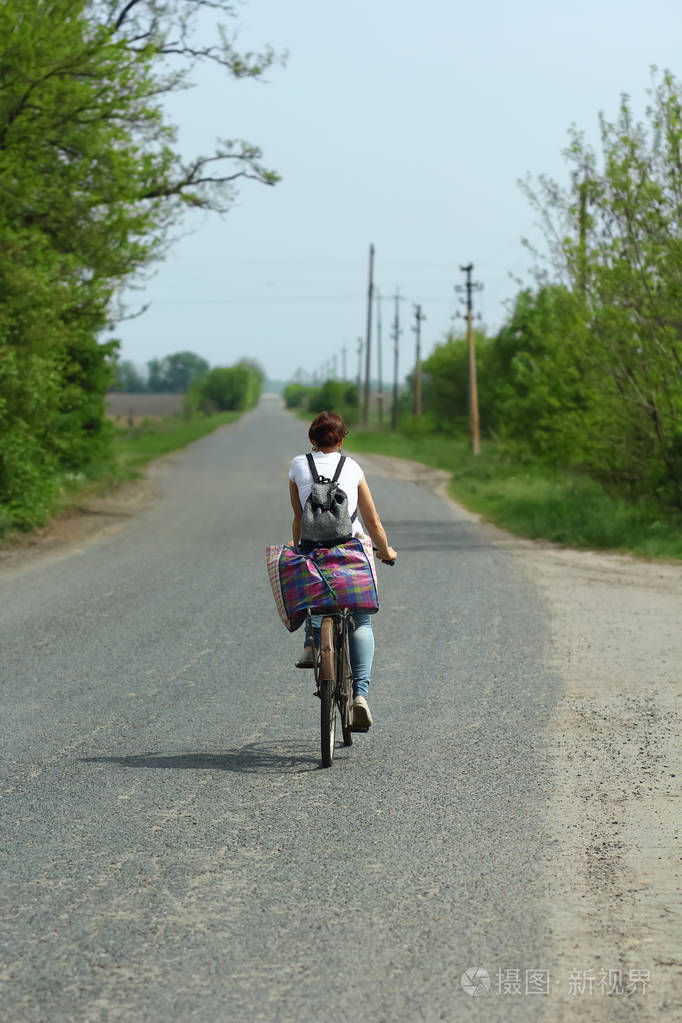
(172, 849)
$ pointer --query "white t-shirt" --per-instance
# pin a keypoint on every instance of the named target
(325, 463)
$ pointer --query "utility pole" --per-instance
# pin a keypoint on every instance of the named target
(343, 361)
(368, 335)
(380, 392)
(470, 287)
(360, 347)
(335, 366)
(395, 335)
(419, 318)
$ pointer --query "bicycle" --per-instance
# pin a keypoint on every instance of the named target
(334, 680)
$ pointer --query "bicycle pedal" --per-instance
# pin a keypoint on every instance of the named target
(359, 728)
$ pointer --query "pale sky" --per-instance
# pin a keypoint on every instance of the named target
(402, 124)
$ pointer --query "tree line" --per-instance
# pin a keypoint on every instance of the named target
(333, 395)
(221, 389)
(172, 374)
(91, 182)
(586, 374)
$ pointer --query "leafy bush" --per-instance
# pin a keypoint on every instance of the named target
(446, 383)
(335, 396)
(230, 388)
(295, 395)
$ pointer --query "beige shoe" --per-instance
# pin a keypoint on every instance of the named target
(306, 661)
(362, 716)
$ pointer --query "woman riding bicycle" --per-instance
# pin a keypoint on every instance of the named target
(326, 435)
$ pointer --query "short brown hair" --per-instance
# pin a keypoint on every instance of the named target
(327, 430)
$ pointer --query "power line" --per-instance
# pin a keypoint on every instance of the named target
(264, 300)
(447, 264)
(274, 299)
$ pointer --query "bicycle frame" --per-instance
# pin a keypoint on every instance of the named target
(337, 692)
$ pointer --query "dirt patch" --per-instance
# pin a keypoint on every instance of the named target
(133, 408)
(615, 743)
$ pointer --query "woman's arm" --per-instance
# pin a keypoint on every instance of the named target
(370, 517)
(298, 512)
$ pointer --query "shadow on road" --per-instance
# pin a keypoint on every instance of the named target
(255, 758)
(444, 536)
(436, 536)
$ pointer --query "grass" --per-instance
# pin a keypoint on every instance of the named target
(133, 448)
(531, 500)
(136, 446)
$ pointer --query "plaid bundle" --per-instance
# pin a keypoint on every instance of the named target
(327, 578)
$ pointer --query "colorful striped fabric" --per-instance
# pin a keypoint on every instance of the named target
(326, 579)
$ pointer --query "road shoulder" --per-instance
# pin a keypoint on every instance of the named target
(613, 743)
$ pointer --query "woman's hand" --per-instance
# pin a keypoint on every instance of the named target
(372, 522)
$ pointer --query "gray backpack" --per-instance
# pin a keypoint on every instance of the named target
(325, 515)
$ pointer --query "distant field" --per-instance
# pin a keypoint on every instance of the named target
(136, 407)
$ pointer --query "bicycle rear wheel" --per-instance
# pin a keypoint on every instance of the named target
(327, 690)
(344, 693)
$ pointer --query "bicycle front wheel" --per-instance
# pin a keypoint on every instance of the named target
(327, 690)
(344, 693)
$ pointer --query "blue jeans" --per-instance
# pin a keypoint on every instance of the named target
(361, 642)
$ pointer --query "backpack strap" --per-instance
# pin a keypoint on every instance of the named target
(339, 467)
(315, 475)
(335, 477)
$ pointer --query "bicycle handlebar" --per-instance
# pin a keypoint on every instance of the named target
(391, 562)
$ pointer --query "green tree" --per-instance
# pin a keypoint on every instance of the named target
(295, 395)
(256, 379)
(334, 396)
(129, 379)
(615, 240)
(155, 379)
(227, 388)
(446, 383)
(537, 381)
(91, 181)
(174, 373)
